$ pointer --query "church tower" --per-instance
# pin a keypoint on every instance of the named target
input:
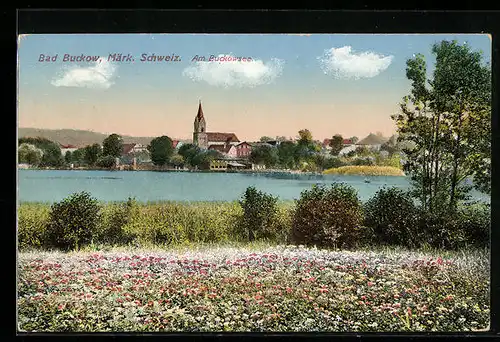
(200, 137)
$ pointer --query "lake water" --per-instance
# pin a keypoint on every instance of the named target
(52, 186)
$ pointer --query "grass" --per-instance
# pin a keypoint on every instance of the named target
(365, 170)
(154, 223)
(257, 287)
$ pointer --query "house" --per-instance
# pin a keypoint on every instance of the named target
(67, 148)
(218, 165)
(226, 150)
(133, 148)
(204, 139)
(229, 164)
(243, 150)
(346, 149)
(134, 152)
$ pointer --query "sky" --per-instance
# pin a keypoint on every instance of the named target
(276, 84)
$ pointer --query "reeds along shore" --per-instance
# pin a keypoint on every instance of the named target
(365, 171)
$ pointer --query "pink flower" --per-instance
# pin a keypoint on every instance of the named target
(370, 283)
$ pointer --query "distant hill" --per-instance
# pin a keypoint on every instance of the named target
(373, 139)
(79, 138)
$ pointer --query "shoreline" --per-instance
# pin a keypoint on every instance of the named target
(266, 171)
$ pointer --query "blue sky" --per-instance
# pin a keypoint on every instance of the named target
(347, 84)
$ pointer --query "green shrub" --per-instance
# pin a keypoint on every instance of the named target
(440, 230)
(31, 225)
(364, 161)
(114, 219)
(391, 216)
(469, 226)
(73, 221)
(260, 214)
(475, 221)
(329, 217)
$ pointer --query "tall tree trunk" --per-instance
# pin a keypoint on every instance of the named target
(456, 157)
(436, 154)
(424, 172)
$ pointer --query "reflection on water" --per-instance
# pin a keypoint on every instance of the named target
(61, 177)
(51, 185)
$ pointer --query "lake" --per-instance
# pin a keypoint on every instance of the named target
(54, 185)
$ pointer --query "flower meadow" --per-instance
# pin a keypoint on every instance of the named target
(268, 289)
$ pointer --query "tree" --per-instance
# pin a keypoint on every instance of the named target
(68, 157)
(264, 154)
(177, 160)
(462, 89)
(361, 151)
(305, 137)
(203, 158)
(442, 123)
(92, 154)
(52, 156)
(29, 154)
(112, 146)
(161, 150)
(51, 152)
(391, 146)
(106, 161)
(336, 143)
(188, 152)
(286, 154)
(77, 156)
(266, 139)
(354, 139)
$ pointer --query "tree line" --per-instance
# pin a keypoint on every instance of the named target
(308, 154)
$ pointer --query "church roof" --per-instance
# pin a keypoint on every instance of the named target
(220, 148)
(222, 137)
(199, 116)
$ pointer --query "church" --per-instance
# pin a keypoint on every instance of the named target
(222, 142)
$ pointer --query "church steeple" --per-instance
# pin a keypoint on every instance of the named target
(200, 137)
(199, 116)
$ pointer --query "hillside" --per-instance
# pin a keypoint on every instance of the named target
(75, 137)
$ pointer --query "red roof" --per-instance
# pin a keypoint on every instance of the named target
(174, 143)
(67, 146)
(222, 137)
(243, 143)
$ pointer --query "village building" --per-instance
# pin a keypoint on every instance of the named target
(243, 150)
(67, 148)
(132, 148)
(208, 140)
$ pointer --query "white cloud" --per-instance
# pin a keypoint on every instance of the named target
(344, 63)
(97, 76)
(235, 73)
